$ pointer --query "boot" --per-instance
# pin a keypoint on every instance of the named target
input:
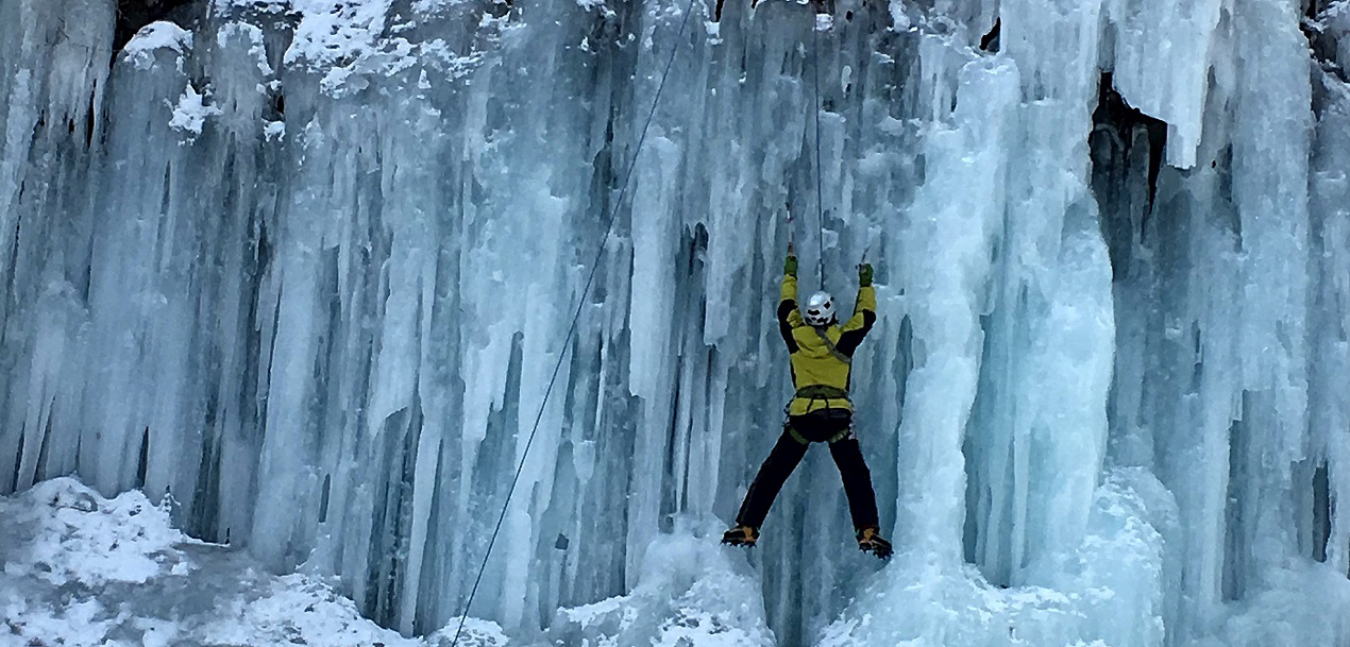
(870, 541)
(741, 536)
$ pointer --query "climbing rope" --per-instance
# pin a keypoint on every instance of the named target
(576, 316)
(820, 207)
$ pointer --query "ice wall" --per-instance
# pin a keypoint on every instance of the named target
(309, 264)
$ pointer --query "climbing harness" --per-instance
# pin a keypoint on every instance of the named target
(824, 393)
(576, 316)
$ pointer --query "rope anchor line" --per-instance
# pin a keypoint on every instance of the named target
(576, 316)
(816, 107)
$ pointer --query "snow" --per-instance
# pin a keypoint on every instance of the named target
(90, 540)
(690, 592)
(292, 609)
(191, 113)
(141, 49)
(331, 31)
(432, 6)
(309, 268)
(1091, 598)
(264, 6)
(476, 633)
(82, 570)
(274, 130)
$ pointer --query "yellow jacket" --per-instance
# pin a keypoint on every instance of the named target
(821, 356)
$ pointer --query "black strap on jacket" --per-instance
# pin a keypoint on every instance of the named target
(829, 345)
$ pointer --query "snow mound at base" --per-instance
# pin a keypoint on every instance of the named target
(477, 633)
(73, 535)
(1107, 592)
(691, 592)
(1115, 589)
(82, 570)
(1298, 604)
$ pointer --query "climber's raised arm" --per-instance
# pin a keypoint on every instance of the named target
(788, 316)
(864, 313)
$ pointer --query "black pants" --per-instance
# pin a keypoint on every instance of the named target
(817, 426)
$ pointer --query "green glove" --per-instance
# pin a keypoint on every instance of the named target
(790, 265)
(865, 274)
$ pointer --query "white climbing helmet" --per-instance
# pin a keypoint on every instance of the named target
(820, 309)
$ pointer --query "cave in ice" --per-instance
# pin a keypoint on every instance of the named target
(309, 264)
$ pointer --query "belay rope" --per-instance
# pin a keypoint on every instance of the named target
(820, 170)
(815, 105)
(820, 196)
(576, 316)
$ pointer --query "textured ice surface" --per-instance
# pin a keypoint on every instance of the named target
(1107, 591)
(308, 265)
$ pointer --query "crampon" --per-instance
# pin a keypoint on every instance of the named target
(870, 541)
(741, 536)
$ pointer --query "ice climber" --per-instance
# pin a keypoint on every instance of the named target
(820, 351)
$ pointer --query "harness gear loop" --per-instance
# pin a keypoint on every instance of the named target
(843, 434)
(813, 393)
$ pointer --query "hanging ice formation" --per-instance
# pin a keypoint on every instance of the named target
(307, 264)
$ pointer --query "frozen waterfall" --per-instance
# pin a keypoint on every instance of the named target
(308, 265)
